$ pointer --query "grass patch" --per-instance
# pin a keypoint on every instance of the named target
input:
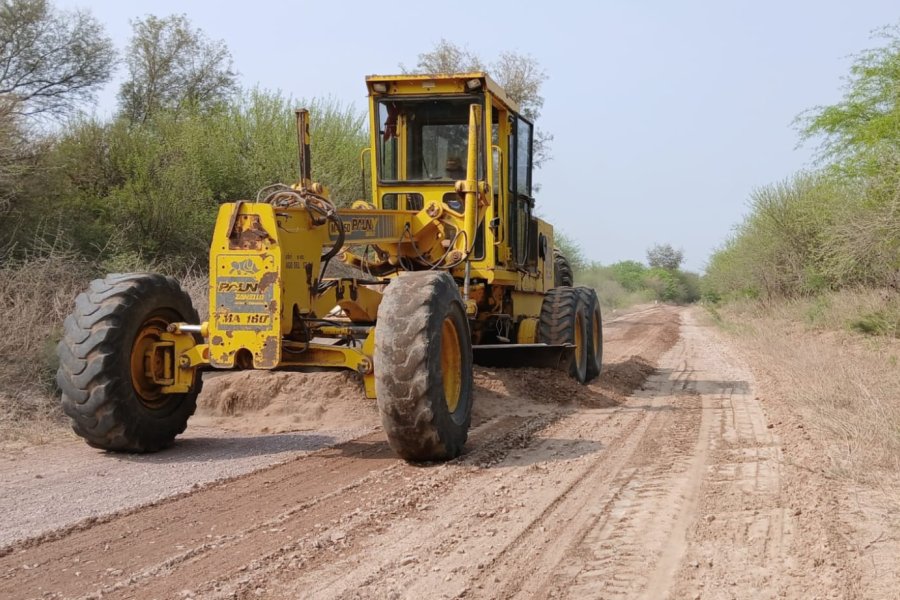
(844, 385)
(862, 311)
(36, 294)
(879, 322)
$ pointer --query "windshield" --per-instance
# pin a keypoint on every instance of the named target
(423, 140)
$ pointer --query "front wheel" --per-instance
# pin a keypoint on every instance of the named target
(423, 366)
(103, 363)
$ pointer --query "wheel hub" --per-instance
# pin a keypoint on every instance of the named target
(147, 365)
(451, 364)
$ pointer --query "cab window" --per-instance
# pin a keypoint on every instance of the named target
(424, 140)
(523, 157)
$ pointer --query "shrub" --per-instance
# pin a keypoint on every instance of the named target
(152, 189)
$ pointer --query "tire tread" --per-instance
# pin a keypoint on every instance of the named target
(91, 356)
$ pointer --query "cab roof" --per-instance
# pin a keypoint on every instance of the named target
(442, 80)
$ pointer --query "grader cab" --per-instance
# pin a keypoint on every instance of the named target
(444, 265)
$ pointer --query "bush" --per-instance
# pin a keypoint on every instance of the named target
(36, 293)
(152, 189)
(629, 274)
(629, 282)
(836, 228)
(812, 233)
(881, 322)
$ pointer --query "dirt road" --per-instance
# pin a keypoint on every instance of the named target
(663, 479)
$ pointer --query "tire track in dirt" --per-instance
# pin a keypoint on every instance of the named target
(97, 555)
(748, 540)
(599, 544)
(738, 543)
(668, 533)
(300, 515)
(199, 532)
(435, 552)
(603, 502)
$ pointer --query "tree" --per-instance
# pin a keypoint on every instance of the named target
(522, 77)
(172, 65)
(519, 74)
(629, 274)
(447, 57)
(664, 256)
(50, 61)
(14, 156)
(866, 122)
(571, 250)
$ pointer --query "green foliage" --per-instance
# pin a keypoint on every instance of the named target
(866, 122)
(172, 65)
(673, 286)
(570, 249)
(610, 290)
(629, 282)
(150, 191)
(629, 274)
(880, 322)
(811, 233)
(16, 156)
(839, 227)
(664, 256)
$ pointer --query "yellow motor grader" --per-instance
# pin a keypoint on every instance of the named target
(444, 265)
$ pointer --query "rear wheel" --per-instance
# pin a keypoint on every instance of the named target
(595, 330)
(562, 270)
(564, 321)
(113, 403)
(423, 366)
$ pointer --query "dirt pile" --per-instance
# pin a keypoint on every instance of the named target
(620, 380)
(276, 402)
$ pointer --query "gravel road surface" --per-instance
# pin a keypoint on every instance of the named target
(664, 478)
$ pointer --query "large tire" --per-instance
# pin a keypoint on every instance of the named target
(100, 352)
(423, 366)
(563, 321)
(562, 270)
(595, 330)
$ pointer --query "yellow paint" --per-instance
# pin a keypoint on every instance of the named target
(151, 362)
(580, 348)
(451, 364)
(528, 330)
(526, 304)
(266, 296)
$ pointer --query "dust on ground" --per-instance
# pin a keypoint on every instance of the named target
(280, 402)
(668, 477)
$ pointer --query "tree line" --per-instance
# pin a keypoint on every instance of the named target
(140, 189)
(629, 282)
(835, 226)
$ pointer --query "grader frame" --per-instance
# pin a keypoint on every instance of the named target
(459, 253)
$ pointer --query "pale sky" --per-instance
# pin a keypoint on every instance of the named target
(666, 115)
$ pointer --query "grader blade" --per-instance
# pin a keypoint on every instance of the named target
(523, 355)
